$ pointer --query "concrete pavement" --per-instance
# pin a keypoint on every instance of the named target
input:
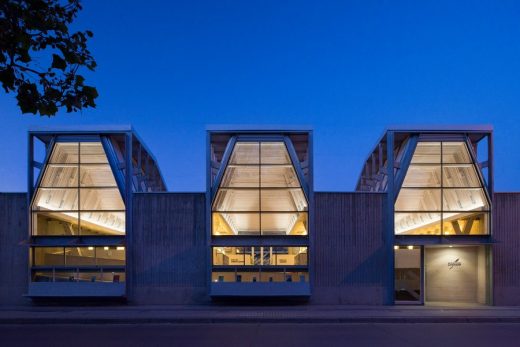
(264, 334)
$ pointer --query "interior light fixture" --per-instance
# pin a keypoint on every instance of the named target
(410, 247)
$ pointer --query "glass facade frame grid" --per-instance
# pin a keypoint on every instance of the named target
(259, 207)
(78, 187)
(441, 188)
(110, 163)
(266, 273)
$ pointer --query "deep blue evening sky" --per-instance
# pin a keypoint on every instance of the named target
(348, 69)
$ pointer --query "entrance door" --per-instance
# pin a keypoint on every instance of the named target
(408, 275)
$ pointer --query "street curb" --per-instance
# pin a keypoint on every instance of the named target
(256, 320)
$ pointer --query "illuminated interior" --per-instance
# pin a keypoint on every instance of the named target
(260, 193)
(260, 256)
(78, 194)
(442, 193)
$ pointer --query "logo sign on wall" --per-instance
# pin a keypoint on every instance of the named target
(454, 263)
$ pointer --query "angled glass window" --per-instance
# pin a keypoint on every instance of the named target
(260, 193)
(442, 193)
(78, 194)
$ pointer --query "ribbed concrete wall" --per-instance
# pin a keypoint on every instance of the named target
(169, 251)
(506, 250)
(13, 254)
(349, 257)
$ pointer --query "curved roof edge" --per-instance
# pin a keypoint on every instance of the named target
(107, 129)
(424, 128)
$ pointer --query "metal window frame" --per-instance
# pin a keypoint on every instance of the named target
(212, 187)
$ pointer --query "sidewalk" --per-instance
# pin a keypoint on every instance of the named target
(257, 314)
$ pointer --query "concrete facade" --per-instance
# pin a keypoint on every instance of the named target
(346, 255)
(13, 253)
(169, 249)
(348, 249)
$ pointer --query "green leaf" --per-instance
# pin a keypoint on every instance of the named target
(49, 109)
(90, 92)
(58, 62)
(7, 78)
(28, 97)
(79, 80)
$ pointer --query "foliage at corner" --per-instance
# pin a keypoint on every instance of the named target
(40, 58)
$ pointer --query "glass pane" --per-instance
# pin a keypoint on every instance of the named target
(114, 277)
(65, 276)
(65, 153)
(274, 153)
(110, 255)
(272, 276)
(218, 276)
(466, 223)
(43, 276)
(279, 176)
(284, 223)
(102, 223)
(80, 256)
(422, 223)
(427, 152)
(90, 276)
(460, 175)
(101, 199)
(418, 200)
(407, 273)
(55, 223)
(228, 256)
(99, 175)
(60, 175)
(252, 255)
(92, 152)
(246, 153)
(237, 200)
(283, 200)
(241, 176)
(469, 199)
(236, 224)
(296, 277)
(423, 176)
(56, 199)
(289, 256)
(455, 152)
(46, 256)
(253, 276)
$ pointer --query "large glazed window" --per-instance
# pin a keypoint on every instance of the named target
(77, 194)
(442, 193)
(259, 193)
